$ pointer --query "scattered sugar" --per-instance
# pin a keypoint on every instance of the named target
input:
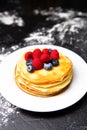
(6, 110)
(39, 38)
(55, 12)
(9, 19)
(70, 25)
(70, 22)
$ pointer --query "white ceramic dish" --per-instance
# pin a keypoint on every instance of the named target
(17, 97)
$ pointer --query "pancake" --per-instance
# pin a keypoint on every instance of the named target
(42, 82)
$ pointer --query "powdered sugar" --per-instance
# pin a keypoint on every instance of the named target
(6, 109)
(8, 19)
(70, 25)
(4, 52)
(39, 38)
(71, 22)
(56, 12)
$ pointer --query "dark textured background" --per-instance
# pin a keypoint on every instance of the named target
(74, 117)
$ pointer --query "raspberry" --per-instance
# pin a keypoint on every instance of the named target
(45, 51)
(45, 58)
(28, 56)
(37, 53)
(54, 54)
(37, 64)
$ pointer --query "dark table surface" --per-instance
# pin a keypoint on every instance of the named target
(25, 23)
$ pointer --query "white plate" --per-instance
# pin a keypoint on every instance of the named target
(17, 97)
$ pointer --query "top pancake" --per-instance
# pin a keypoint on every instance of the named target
(57, 74)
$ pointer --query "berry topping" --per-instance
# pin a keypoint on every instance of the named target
(29, 62)
(45, 51)
(45, 58)
(37, 53)
(30, 68)
(54, 54)
(38, 59)
(28, 56)
(37, 64)
(48, 66)
(55, 62)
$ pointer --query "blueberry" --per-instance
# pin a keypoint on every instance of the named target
(30, 68)
(55, 62)
(29, 62)
(50, 49)
(48, 66)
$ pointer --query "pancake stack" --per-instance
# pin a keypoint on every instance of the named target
(44, 82)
